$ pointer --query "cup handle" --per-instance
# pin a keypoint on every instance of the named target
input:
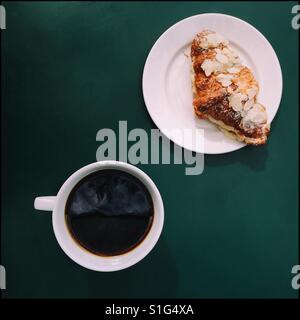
(44, 203)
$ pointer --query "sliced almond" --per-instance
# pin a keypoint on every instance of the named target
(214, 39)
(257, 115)
(222, 58)
(249, 104)
(236, 101)
(208, 67)
(224, 79)
(233, 70)
(252, 92)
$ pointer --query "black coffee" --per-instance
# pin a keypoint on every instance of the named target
(109, 212)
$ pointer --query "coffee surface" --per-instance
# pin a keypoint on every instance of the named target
(109, 212)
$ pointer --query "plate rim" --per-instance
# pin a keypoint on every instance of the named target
(164, 34)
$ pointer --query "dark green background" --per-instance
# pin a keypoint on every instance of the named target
(70, 69)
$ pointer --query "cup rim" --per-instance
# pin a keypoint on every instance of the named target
(86, 258)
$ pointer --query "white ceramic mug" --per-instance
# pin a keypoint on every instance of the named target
(76, 252)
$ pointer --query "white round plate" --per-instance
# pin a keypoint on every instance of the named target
(167, 82)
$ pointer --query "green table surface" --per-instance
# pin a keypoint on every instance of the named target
(70, 69)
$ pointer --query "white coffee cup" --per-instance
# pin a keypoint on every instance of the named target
(80, 255)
